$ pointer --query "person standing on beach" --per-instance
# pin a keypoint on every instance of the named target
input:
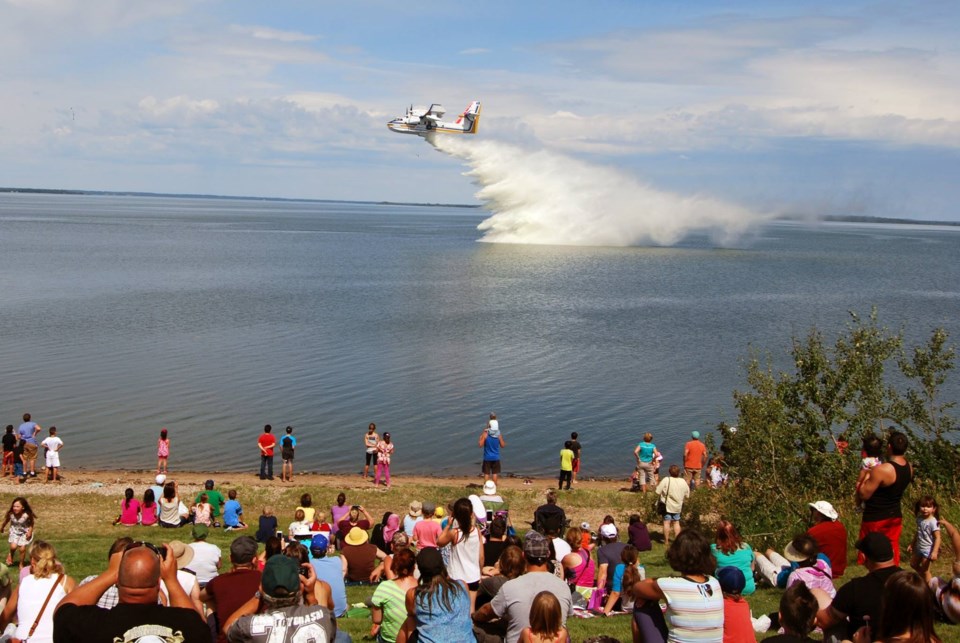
(287, 445)
(53, 445)
(385, 450)
(694, 459)
(266, 443)
(9, 446)
(370, 441)
(163, 451)
(576, 447)
(566, 464)
(28, 432)
(491, 440)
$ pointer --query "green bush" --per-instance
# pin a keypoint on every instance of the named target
(782, 455)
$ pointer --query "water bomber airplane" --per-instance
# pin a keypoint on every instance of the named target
(424, 121)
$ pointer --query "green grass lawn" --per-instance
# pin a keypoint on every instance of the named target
(78, 524)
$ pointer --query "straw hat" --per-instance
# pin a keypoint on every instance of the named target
(356, 536)
(415, 508)
(183, 553)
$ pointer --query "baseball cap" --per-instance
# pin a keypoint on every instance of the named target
(160, 478)
(200, 532)
(181, 552)
(429, 561)
(319, 542)
(280, 571)
(825, 508)
(876, 547)
(731, 579)
(439, 512)
(535, 545)
(490, 487)
(695, 435)
(243, 549)
(608, 531)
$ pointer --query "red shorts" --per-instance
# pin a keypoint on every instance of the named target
(7, 457)
(889, 527)
(576, 465)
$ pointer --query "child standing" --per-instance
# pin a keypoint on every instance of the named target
(163, 451)
(384, 450)
(546, 621)
(53, 445)
(233, 512)
(287, 445)
(566, 464)
(21, 520)
(926, 544)
(9, 444)
(872, 449)
(576, 448)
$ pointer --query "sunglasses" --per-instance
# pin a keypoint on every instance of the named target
(160, 551)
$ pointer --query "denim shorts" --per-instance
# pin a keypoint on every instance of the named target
(673, 517)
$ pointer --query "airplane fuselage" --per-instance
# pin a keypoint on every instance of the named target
(426, 121)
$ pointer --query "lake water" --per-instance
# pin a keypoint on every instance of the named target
(211, 317)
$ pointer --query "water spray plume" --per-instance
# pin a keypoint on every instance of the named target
(541, 197)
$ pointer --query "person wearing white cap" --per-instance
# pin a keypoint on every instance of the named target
(157, 489)
(492, 501)
(830, 534)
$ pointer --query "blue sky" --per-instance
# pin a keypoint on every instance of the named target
(806, 107)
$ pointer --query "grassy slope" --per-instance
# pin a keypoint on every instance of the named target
(77, 520)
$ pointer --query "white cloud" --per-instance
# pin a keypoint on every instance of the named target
(268, 33)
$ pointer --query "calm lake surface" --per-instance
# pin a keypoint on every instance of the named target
(120, 315)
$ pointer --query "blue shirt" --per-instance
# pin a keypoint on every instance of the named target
(646, 451)
(231, 513)
(491, 449)
(293, 441)
(28, 432)
(330, 570)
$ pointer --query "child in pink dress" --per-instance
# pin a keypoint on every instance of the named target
(384, 450)
(163, 451)
(202, 511)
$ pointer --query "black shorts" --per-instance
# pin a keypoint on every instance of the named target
(371, 458)
(491, 466)
(473, 586)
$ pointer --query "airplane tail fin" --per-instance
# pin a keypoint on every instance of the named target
(472, 116)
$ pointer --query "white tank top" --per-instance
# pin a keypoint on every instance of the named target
(465, 558)
(33, 592)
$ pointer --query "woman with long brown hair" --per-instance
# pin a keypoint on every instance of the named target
(906, 612)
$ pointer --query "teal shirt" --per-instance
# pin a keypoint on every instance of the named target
(741, 559)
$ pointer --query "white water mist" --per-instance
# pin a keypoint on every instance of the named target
(541, 197)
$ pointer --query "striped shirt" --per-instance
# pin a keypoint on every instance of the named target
(694, 610)
(392, 600)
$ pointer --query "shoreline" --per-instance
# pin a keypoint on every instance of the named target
(113, 481)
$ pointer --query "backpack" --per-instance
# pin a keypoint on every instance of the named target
(286, 447)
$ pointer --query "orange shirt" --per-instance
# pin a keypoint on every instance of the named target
(696, 454)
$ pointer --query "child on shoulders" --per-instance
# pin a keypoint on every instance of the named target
(872, 450)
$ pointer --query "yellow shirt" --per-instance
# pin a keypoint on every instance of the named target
(566, 460)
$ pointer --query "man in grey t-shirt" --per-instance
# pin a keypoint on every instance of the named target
(512, 602)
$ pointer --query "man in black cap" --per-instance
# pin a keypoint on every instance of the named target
(285, 609)
(512, 603)
(859, 600)
(227, 592)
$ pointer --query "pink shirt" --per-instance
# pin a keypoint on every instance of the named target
(148, 515)
(425, 533)
(129, 514)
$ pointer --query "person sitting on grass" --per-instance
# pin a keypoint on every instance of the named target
(233, 512)
(149, 509)
(737, 622)
(546, 621)
(798, 611)
(947, 591)
(625, 576)
(267, 526)
(129, 510)
(906, 612)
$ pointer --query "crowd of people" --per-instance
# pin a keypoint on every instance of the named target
(469, 570)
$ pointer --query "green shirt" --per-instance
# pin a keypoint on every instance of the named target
(216, 500)
(392, 600)
(566, 459)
